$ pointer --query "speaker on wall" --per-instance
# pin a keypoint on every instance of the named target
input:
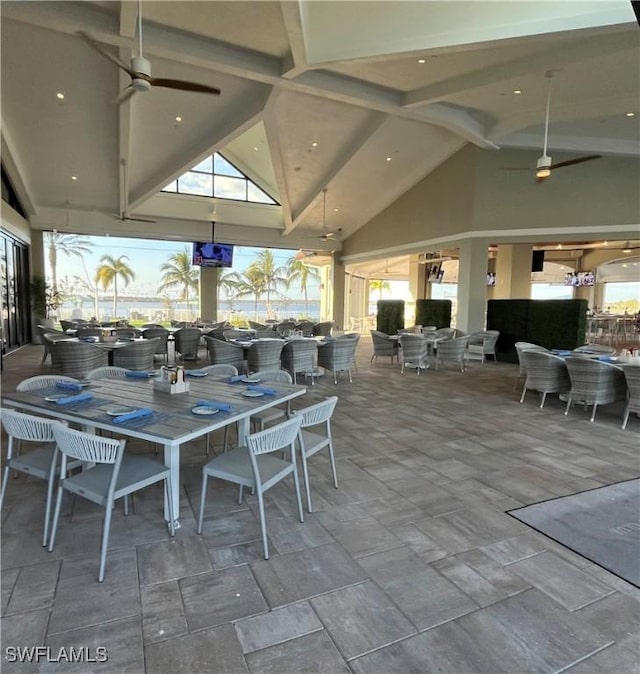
(537, 260)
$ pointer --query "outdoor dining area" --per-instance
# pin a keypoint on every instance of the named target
(250, 523)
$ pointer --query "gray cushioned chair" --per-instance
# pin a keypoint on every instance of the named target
(137, 355)
(452, 351)
(264, 355)
(338, 355)
(225, 353)
(162, 335)
(632, 377)
(383, 345)
(414, 350)
(482, 344)
(545, 373)
(594, 383)
(77, 359)
(187, 343)
(299, 355)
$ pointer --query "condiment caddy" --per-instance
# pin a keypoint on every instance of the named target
(171, 380)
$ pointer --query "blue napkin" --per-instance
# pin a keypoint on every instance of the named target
(68, 386)
(560, 352)
(262, 389)
(137, 374)
(236, 377)
(136, 414)
(81, 397)
(223, 407)
(605, 359)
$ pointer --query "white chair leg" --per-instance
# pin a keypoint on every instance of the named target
(593, 414)
(625, 419)
(544, 397)
(332, 460)
(566, 411)
(305, 477)
(105, 540)
(524, 393)
(203, 497)
(5, 480)
(56, 516)
(296, 483)
(263, 524)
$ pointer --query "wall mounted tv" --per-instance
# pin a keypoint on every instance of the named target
(207, 254)
(435, 273)
(491, 278)
(580, 279)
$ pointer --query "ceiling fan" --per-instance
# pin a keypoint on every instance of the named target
(139, 70)
(124, 217)
(544, 167)
(326, 235)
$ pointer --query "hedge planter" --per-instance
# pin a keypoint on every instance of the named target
(390, 316)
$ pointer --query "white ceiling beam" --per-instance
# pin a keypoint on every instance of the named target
(595, 47)
(275, 150)
(590, 145)
(296, 63)
(128, 21)
(339, 162)
(242, 116)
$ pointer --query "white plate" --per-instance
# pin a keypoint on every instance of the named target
(252, 394)
(204, 410)
(58, 396)
(196, 373)
(251, 380)
(120, 409)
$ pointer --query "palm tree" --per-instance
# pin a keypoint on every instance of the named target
(265, 273)
(251, 283)
(378, 284)
(297, 270)
(69, 244)
(230, 282)
(108, 272)
(179, 272)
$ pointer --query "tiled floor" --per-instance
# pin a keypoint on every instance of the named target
(411, 565)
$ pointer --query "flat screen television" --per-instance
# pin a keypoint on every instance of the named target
(580, 279)
(207, 254)
(436, 274)
(491, 279)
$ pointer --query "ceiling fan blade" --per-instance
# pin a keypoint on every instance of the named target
(114, 59)
(183, 86)
(129, 218)
(577, 160)
(125, 95)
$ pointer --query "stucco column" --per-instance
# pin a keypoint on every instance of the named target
(209, 293)
(472, 285)
(338, 292)
(513, 272)
(37, 254)
(417, 285)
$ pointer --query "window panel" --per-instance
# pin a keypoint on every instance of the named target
(206, 165)
(254, 193)
(171, 187)
(196, 183)
(230, 188)
(222, 167)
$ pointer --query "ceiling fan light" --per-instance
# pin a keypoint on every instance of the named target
(543, 167)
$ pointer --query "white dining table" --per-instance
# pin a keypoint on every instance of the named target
(172, 423)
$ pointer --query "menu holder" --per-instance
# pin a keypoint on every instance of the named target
(171, 388)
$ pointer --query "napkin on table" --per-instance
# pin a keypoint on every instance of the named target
(236, 377)
(137, 374)
(223, 407)
(81, 397)
(68, 385)
(143, 412)
(262, 389)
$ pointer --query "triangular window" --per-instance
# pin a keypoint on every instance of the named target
(217, 177)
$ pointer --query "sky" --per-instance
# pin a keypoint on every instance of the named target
(146, 257)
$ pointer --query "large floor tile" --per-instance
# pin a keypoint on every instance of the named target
(169, 560)
(162, 612)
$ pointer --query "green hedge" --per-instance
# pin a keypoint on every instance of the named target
(433, 312)
(390, 316)
(554, 324)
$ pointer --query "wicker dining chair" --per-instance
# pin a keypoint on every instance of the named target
(225, 353)
(322, 329)
(521, 347)
(383, 345)
(414, 350)
(264, 355)
(545, 373)
(482, 344)
(187, 343)
(594, 383)
(305, 327)
(338, 355)
(76, 359)
(632, 377)
(107, 372)
(453, 351)
(162, 334)
(137, 355)
(299, 355)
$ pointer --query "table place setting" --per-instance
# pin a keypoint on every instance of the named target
(196, 373)
(140, 374)
(70, 385)
(253, 391)
(141, 413)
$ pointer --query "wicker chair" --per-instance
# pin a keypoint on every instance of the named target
(453, 351)
(162, 334)
(233, 333)
(107, 372)
(594, 383)
(77, 359)
(306, 327)
(338, 355)
(299, 355)
(545, 373)
(68, 325)
(137, 355)
(187, 343)
(596, 348)
(383, 345)
(256, 326)
(89, 332)
(322, 329)
(264, 355)
(47, 339)
(521, 347)
(632, 377)
(483, 344)
(415, 350)
(128, 333)
(285, 328)
(221, 352)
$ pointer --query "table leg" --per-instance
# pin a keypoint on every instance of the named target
(172, 459)
(243, 430)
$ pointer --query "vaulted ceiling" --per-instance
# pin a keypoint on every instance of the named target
(362, 98)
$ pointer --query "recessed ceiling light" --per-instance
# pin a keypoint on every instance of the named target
(517, 91)
(630, 114)
(314, 143)
(178, 119)
(388, 158)
(422, 60)
(335, 210)
(255, 148)
(74, 177)
(60, 95)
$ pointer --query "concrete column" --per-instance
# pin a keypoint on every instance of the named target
(417, 287)
(513, 272)
(338, 293)
(37, 254)
(472, 285)
(209, 293)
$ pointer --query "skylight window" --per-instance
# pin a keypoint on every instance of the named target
(217, 177)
